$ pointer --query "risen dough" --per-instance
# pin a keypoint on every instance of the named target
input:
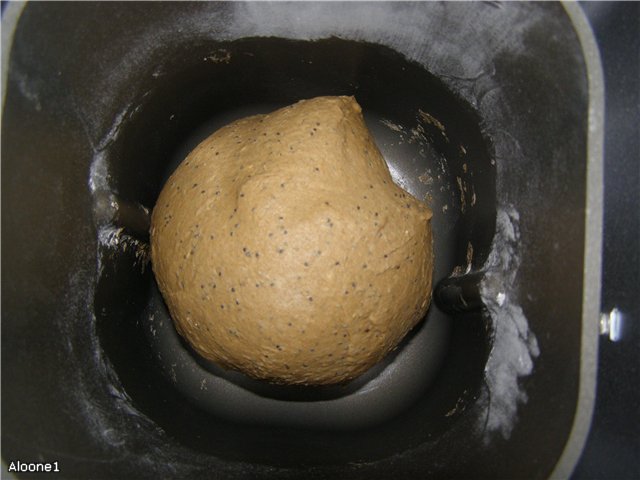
(284, 250)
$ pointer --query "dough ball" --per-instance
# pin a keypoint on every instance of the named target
(284, 250)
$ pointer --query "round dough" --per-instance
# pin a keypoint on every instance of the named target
(284, 250)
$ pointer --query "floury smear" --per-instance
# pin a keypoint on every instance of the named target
(514, 345)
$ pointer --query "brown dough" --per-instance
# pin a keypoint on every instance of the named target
(284, 250)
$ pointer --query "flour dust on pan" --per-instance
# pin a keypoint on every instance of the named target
(515, 347)
(122, 432)
(123, 249)
(435, 148)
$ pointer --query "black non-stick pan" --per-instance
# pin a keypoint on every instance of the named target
(486, 111)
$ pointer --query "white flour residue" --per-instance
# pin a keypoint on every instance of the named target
(112, 239)
(111, 135)
(219, 56)
(397, 25)
(28, 88)
(99, 177)
(117, 240)
(392, 126)
(98, 395)
(93, 414)
(514, 345)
